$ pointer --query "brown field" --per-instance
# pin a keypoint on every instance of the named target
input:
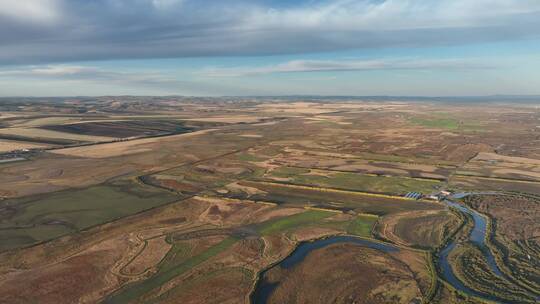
(335, 269)
(231, 119)
(205, 212)
(121, 129)
(496, 166)
(493, 184)
(41, 133)
(517, 233)
(10, 145)
(122, 148)
(424, 229)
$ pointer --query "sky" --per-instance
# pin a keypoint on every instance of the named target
(269, 47)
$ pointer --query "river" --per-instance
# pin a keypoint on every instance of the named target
(264, 289)
(478, 235)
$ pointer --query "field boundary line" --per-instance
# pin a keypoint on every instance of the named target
(323, 209)
(352, 156)
(427, 179)
(325, 189)
(501, 179)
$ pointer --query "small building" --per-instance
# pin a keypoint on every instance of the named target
(413, 195)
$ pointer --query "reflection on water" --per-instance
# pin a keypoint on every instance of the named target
(478, 237)
(264, 289)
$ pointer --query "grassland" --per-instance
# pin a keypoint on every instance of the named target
(122, 129)
(194, 218)
(49, 134)
(515, 218)
(10, 145)
(445, 294)
(420, 229)
(471, 267)
(167, 272)
(472, 183)
(352, 181)
(442, 121)
(290, 222)
(283, 194)
(362, 225)
(227, 285)
(181, 259)
(340, 280)
(34, 219)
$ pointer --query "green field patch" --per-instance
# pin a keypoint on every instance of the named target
(249, 157)
(293, 221)
(286, 172)
(471, 267)
(405, 159)
(441, 121)
(246, 275)
(362, 225)
(178, 253)
(285, 194)
(167, 272)
(44, 217)
(359, 182)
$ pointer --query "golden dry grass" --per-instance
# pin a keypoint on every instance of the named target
(10, 145)
(41, 133)
(124, 147)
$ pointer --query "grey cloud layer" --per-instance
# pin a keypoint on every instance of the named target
(297, 66)
(92, 74)
(41, 31)
(132, 81)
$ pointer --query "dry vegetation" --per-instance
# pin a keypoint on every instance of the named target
(336, 268)
(160, 219)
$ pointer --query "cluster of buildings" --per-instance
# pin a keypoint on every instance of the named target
(437, 196)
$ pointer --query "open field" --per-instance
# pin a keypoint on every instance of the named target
(424, 229)
(470, 266)
(472, 183)
(447, 295)
(34, 219)
(159, 217)
(350, 163)
(343, 200)
(383, 279)
(517, 235)
(352, 181)
(118, 148)
(121, 129)
(441, 121)
(39, 133)
(10, 145)
(490, 165)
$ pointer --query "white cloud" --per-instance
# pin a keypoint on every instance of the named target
(33, 11)
(391, 14)
(71, 80)
(166, 4)
(89, 73)
(126, 29)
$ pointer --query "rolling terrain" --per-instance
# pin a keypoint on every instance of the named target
(253, 200)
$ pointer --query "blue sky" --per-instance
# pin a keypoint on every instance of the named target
(269, 47)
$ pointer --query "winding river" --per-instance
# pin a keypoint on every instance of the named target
(264, 289)
(477, 236)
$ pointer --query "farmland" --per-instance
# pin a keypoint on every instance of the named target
(152, 202)
(121, 129)
(35, 219)
(351, 181)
